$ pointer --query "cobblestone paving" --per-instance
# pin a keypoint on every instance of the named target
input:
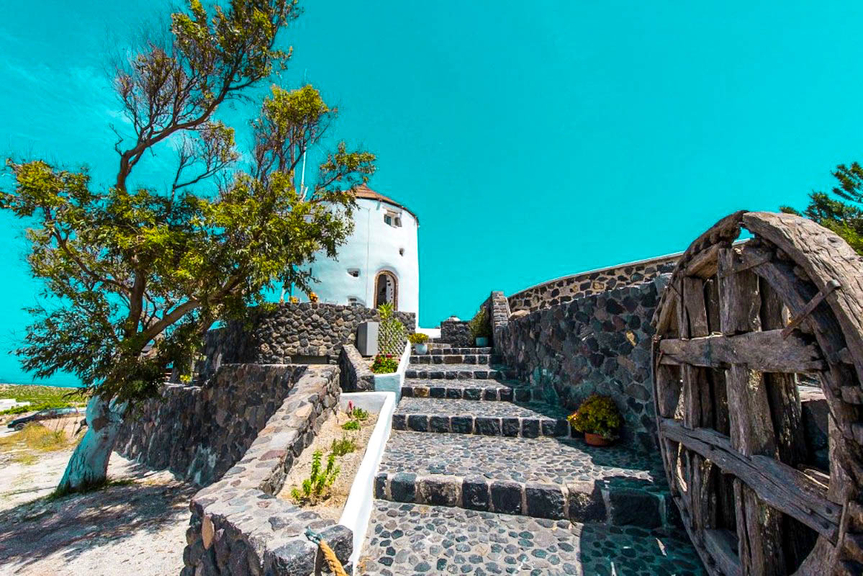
(447, 349)
(470, 389)
(453, 371)
(454, 407)
(405, 539)
(549, 460)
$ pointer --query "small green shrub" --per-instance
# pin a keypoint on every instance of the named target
(385, 364)
(355, 413)
(344, 446)
(598, 414)
(351, 425)
(418, 338)
(479, 325)
(316, 486)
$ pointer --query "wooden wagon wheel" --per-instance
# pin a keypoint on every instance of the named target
(736, 326)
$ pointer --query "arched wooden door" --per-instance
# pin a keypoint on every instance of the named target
(386, 289)
(737, 328)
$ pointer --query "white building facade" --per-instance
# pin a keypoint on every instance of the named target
(379, 262)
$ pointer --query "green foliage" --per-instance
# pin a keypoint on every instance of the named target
(316, 486)
(344, 446)
(479, 325)
(385, 364)
(351, 425)
(598, 414)
(418, 338)
(357, 414)
(843, 211)
(135, 274)
(391, 333)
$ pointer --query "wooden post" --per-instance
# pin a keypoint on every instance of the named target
(758, 526)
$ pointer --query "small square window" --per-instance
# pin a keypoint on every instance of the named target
(393, 219)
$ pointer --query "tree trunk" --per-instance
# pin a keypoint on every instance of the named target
(88, 467)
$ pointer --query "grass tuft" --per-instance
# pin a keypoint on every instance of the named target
(36, 437)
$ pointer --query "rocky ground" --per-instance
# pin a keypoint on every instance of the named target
(135, 526)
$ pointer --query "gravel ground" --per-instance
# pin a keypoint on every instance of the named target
(135, 526)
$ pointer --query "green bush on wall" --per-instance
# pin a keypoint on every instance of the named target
(479, 325)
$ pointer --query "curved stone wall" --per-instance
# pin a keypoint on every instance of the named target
(596, 343)
(584, 284)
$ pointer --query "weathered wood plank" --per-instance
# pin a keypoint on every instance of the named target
(697, 403)
(763, 351)
(779, 485)
(758, 527)
(722, 546)
(824, 256)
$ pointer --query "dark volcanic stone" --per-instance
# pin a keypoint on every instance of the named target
(475, 493)
(545, 501)
(506, 497)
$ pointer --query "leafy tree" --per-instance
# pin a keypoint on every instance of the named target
(135, 276)
(843, 211)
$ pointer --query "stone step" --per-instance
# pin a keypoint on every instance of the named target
(471, 389)
(454, 372)
(418, 539)
(530, 420)
(484, 359)
(448, 349)
(540, 477)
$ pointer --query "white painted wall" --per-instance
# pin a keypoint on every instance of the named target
(373, 246)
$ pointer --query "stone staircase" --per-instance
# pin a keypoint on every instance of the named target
(482, 476)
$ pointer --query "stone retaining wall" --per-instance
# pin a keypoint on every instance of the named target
(598, 343)
(356, 375)
(456, 332)
(199, 432)
(238, 526)
(285, 333)
(584, 284)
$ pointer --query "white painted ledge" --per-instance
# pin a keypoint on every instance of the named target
(358, 508)
(393, 382)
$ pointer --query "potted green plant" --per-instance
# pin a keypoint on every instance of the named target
(480, 329)
(598, 418)
(419, 341)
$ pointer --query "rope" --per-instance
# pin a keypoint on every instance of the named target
(329, 555)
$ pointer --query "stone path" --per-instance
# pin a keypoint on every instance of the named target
(479, 477)
(415, 539)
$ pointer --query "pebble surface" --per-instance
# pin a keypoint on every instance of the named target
(549, 460)
(407, 539)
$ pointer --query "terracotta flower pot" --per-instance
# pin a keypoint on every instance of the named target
(595, 439)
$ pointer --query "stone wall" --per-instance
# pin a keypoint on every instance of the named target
(285, 333)
(597, 343)
(456, 332)
(584, 284)
(355, 373)
(199, 432)
(498, 313)
(238, 526)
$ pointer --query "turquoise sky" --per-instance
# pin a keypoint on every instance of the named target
(533, 140)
